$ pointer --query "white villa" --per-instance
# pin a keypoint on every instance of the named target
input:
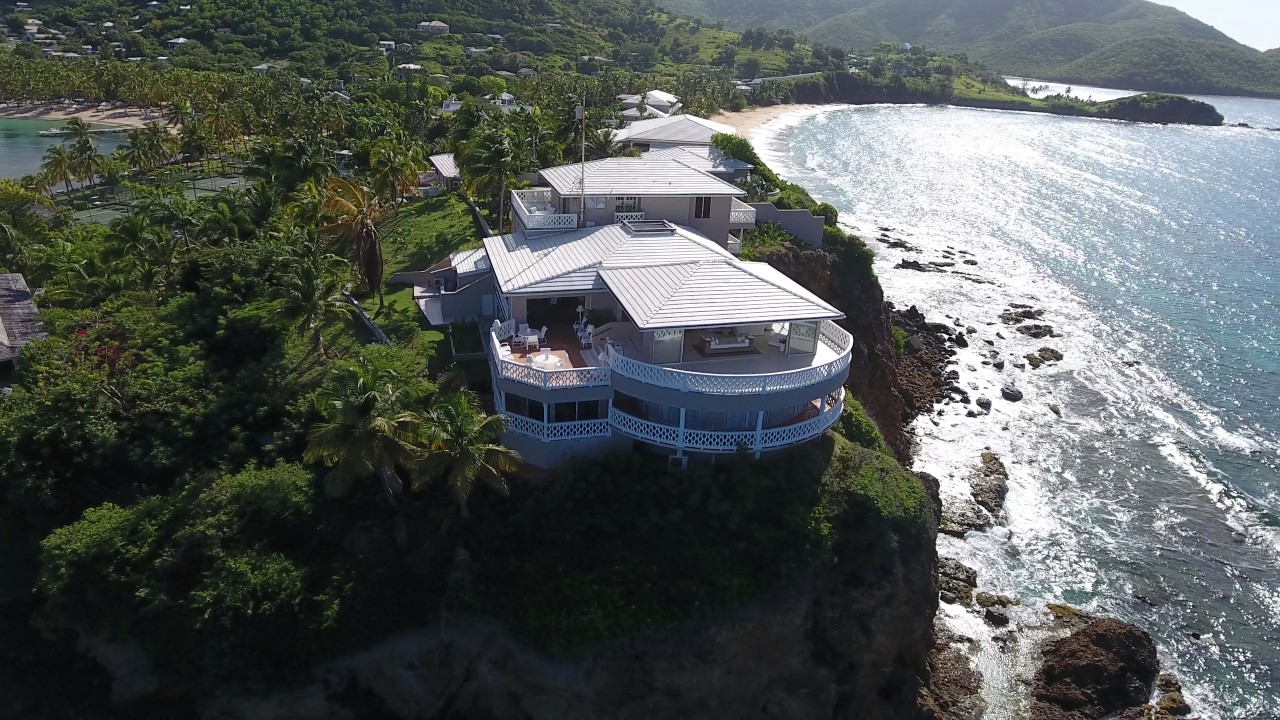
(652, 104)
(433, 27)
(618, 316)
(674, 131)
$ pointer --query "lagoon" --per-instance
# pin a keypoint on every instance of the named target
(21, 149)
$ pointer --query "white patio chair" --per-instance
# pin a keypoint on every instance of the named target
(524, 329)
(542, 334)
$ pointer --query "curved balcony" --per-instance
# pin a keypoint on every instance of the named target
(505, 367)
(831, 335)
(721, 441)
(556, 431)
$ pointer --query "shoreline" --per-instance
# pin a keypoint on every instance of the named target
(753, 118)
(115, 117)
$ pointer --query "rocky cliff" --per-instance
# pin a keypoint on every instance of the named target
(847, 638)
(874, 374)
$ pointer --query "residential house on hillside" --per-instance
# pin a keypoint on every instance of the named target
(619, 318)
(652, 104)
(474, 52)
(446, 170)
(19, 319)
(433, 27)
(671, 131)
(176, 42)
(617, 190)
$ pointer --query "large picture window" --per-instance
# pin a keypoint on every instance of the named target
(702, 208)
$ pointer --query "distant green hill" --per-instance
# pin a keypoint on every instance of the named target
(1070, 40)
(1177, 65)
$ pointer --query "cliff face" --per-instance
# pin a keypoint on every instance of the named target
(874, 372)
(843, 640)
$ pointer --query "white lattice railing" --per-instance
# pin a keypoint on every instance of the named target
(557, 431)
(546, 379)
(523, 200)
(741, 213)
(628, 216)
(734, 245)
(830, 334)
(725, 441)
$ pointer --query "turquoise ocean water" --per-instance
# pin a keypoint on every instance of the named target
(1155, 251)
(21, 149)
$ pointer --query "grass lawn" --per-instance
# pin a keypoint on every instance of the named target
(968, 88)
(428, 231)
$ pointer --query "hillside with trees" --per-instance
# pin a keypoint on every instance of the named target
(1021, 37)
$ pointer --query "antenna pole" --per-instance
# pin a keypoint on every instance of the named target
(582, 167)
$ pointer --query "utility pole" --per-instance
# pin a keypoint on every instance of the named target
(582, 166)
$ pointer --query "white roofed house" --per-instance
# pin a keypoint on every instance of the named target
(671, 131)
(433, 27)
(626, 325)
(176, 42)
(651, 104)
(616, 190)
(445, 167)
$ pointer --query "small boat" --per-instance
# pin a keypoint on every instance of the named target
(61, 132)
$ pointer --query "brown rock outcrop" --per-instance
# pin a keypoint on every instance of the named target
(1103, 668)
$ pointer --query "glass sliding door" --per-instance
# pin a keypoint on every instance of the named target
(803, 338)
(668, 347)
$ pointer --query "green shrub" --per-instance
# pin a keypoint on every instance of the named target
(858, 428)
(620, 545)
(900, 340)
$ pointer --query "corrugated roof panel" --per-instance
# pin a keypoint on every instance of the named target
(446, 165)
(711, 294)
(639, 177)
(698, 157)
(674, 130)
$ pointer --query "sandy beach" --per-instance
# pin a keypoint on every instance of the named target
(120, 117)
(747, 120)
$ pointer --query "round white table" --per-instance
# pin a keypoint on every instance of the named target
(545, 360)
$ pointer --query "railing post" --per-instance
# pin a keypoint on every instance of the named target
(680, 437)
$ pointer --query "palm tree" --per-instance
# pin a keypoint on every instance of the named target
(462, 448)
(370, 429)
(489, 165)
(79, 130)
(356, 218)
(395, 164)
(310, 294)
(59, 166)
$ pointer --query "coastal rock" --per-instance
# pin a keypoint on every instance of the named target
(958, 579)
(988, 600)
(1020, 314)
(990, 483)
(954, 691)
(917, 266)
(1037, 331)
(1011, 393)
(984, 403)
(1055, 410)
(960, 340)
(1168, 683)
(998, 364)
(941, 263)
(1103, 668)
(970, 262)
(963, 516)
(996, 616)
(1044, 355)
(1175, 704)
